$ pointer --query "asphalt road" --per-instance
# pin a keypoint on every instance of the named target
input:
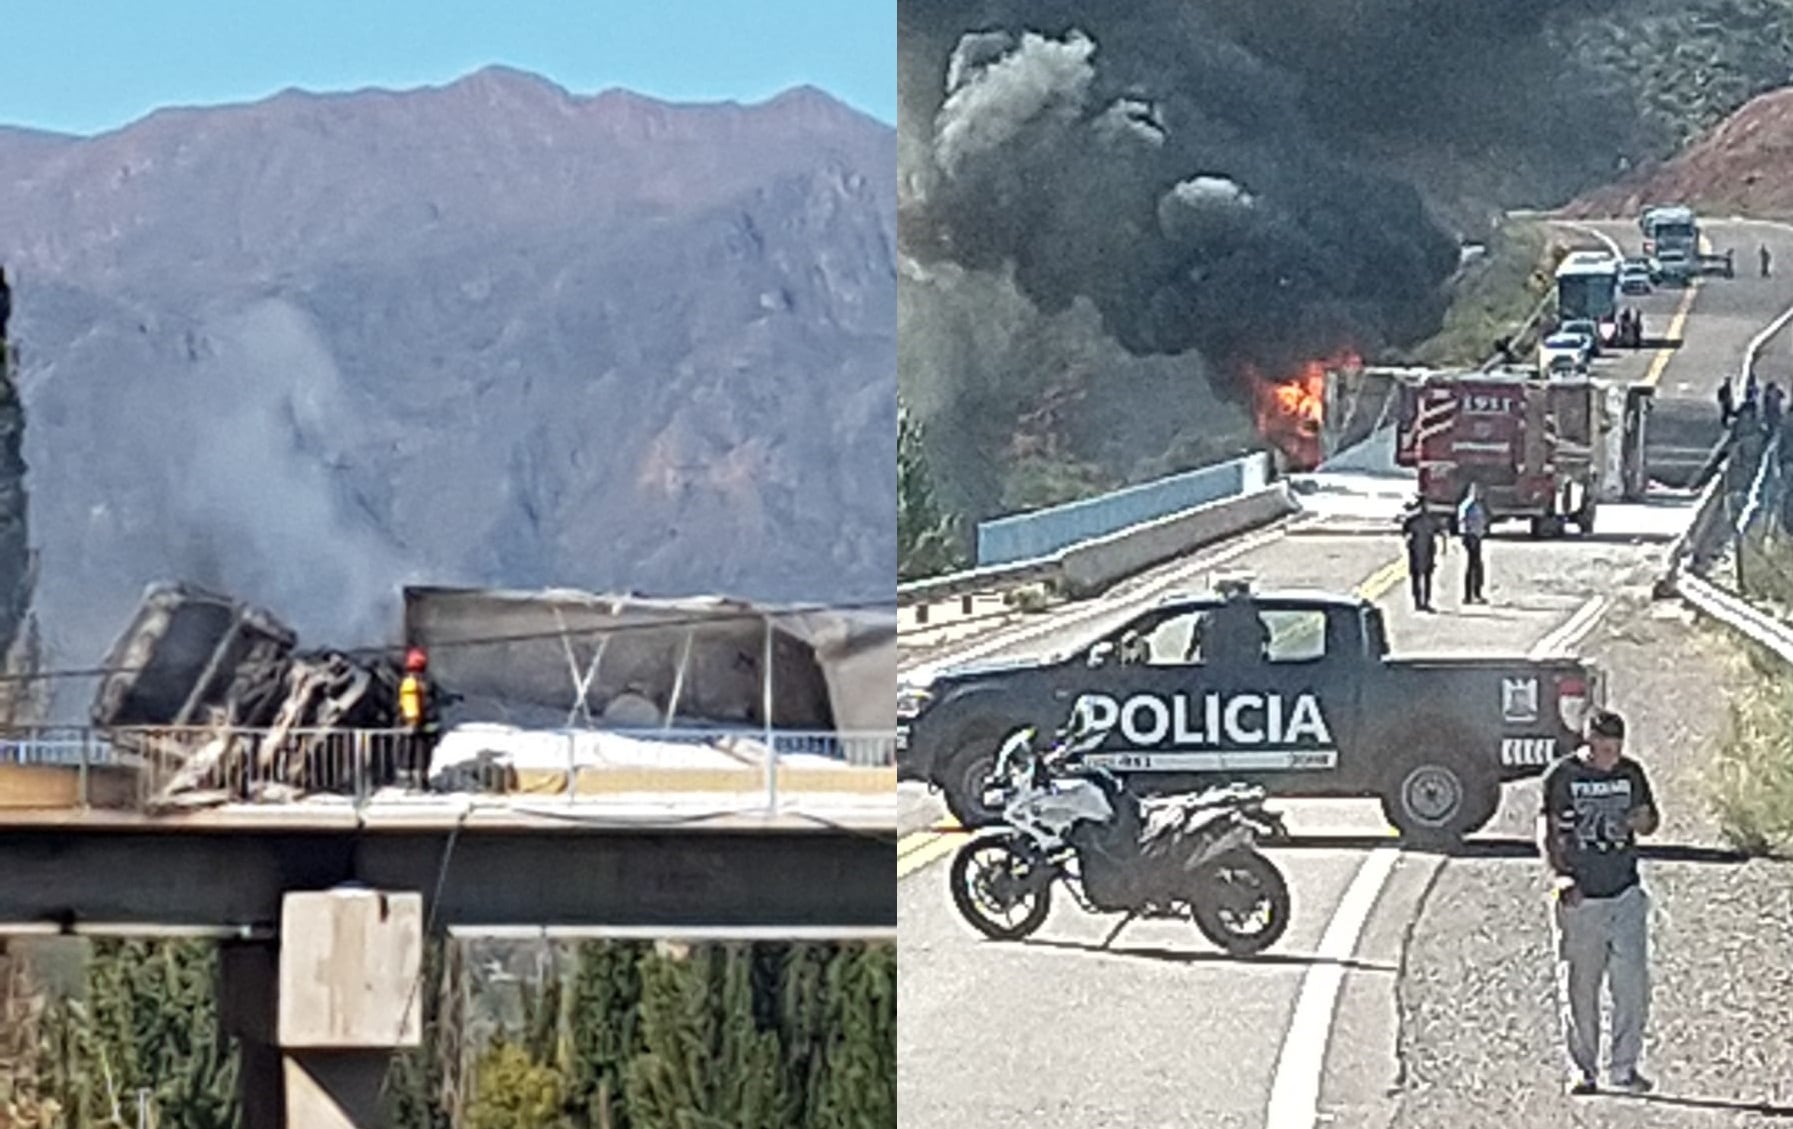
(1443, 1013)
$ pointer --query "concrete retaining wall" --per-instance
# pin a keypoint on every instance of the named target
(1030, 536)
(1093, 566)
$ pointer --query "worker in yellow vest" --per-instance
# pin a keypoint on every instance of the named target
(417, 712)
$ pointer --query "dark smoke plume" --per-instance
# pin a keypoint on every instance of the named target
(1208, 172)
(1146, 161)
(1210, 184)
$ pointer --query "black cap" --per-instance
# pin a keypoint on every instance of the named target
(1606, 723)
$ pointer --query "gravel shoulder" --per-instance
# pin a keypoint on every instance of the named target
(1477, 1024)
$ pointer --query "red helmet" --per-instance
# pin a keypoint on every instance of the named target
(415, 659)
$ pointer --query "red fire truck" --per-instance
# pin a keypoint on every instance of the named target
(1548, 451)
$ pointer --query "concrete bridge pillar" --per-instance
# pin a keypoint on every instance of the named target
(319, 1014)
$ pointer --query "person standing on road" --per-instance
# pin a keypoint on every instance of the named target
(1766, 260)
(1421, 534)
(1472, 526)
(1727, 402)
(1773, 400)
(1597, 801)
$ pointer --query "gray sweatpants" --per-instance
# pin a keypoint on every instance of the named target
(1604, 939)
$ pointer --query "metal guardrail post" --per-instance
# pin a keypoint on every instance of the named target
(771, 741)
(359, 765)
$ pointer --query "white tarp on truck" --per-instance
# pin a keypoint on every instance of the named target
(467, 756)
(561, 658)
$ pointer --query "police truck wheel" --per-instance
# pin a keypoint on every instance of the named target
(1438, 801)
(966, 772)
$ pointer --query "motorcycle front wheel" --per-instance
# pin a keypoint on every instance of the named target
(992, 878)
(1241, 903)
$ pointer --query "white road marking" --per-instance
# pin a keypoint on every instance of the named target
(1755, 344)
(1572, 631)
(1612, 245)
(1295, 1092)
(1295, 1089)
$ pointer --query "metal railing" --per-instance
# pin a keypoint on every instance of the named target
(145, 768)
(1040, 533)
(1048, 534)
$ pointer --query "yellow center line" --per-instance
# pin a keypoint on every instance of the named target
(935, 846)
(1675, 327)
(919, 848)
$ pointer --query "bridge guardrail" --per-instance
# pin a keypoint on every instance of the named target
(977, 580)
(1727, 509)
(147, 769)
(1043, 532)
(1251, 475)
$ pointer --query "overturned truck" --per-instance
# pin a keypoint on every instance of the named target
(212, 698)
(215, 701)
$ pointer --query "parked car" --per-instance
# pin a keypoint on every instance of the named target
(1564, 354)
(1584, 327)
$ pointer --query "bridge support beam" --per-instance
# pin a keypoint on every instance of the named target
(319, 1015)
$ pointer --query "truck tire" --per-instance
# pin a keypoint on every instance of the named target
(1435, 800)
(965, 770)
(1584, 521)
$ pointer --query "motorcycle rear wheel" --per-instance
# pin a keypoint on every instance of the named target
(1242, 903)
(1012, 877)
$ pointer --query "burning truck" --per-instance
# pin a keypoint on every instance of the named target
(215, 700)
(1289, 410)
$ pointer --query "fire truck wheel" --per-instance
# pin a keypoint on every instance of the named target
(1584, 521)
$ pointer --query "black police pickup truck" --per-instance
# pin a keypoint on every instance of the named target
(1294, 691)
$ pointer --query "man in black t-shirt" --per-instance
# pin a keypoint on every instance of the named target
(1420, 530)
(1597, 801)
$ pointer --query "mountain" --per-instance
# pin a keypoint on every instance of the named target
(1742, 166)
(492, 333)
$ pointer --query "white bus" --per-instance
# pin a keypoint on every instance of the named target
(1587, 288)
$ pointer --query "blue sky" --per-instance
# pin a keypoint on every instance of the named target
(86, 66)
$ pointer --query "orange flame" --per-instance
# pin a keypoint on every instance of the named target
(1290, 410)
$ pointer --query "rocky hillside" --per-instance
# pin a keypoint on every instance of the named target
(492, 333)
(1743, 166)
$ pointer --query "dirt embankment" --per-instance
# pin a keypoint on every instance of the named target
(1742, 166)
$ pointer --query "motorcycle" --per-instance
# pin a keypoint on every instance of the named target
(1065, 821)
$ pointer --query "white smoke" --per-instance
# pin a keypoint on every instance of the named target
(995, 96)
(255, 499)
(1203, 208)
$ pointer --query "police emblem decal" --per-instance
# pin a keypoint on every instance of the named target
(1519, 699)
